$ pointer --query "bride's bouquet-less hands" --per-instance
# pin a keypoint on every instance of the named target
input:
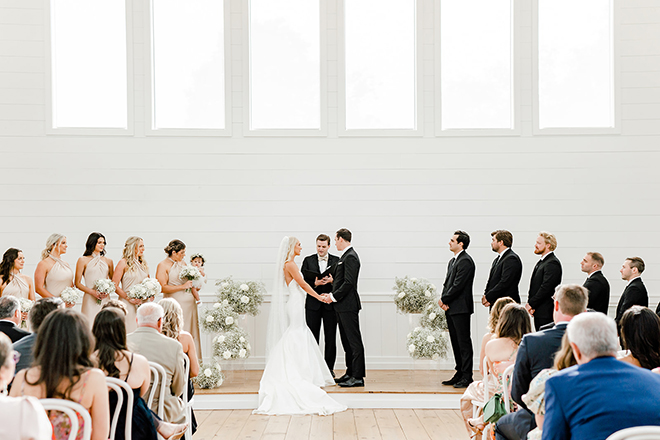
(413, 294)
(426, 343)
(105, 287)
(220, 318)
(71, 295)
(210, 376)
(26, 306)
(232, 345)
(244, 297)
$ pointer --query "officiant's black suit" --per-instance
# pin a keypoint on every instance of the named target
(599, 292)
(504, 277)
(457, 294)
(317, 312)
(545, 278)
(347, 307)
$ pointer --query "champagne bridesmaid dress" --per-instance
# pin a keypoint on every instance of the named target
(187, 302)
(131, 278)
(96, 269)
(59, 277)
(17, 287)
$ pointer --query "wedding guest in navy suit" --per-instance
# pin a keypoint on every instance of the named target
(505, 272)
(545, 278)
(635, 293)
(596, 283)
(600, 395)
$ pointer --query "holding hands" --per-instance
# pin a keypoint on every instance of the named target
(325, 298)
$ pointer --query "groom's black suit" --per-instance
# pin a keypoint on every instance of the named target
(347, 306)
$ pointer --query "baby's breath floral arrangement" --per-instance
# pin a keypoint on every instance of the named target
(104, 286)
(434, 317)
(190, 273)
(71, 295)
(219, 318)
(426, 343)
(413, 294)
(232, 345)
(244, 297)
(26, 306)
(153, 286)
(139, 291)
(210, 376)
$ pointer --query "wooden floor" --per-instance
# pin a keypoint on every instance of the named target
(362, 424)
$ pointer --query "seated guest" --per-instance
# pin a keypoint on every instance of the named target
(493, 318)
(20, 417)
(116, 361)
(10, 318)
(62, 369)
(111, 302)
(148, 341)
(640, 334)
(536, 353)
(41, 308)
(600, 395)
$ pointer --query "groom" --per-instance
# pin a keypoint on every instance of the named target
(347, 305)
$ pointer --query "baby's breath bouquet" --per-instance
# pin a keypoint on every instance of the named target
(152, 285)
(221, 317)
(434, 317)
(139, 291)
(104, 286)
(71, 295)
(243, 297)
(232, 345)
(26, 306)
(210, 376)
(413, 294)
(426, 343)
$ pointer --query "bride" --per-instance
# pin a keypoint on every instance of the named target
(295, 370)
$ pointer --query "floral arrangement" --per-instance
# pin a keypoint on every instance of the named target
(152, 285)
(232, 345)
(104, 286)
(244, 298)
(426, 343)
(139, 291)
(26, 306)
(210, 376)
(413, 294)
(71, 295)
(190, 273)
(221, 317)
(434, 317)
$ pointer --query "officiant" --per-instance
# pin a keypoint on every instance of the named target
(317, 270)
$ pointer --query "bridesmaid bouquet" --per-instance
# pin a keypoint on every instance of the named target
(244, 298)
(426, 343)
(434, 317)
(26, 306)
(104, 286)
(221, 317)
(190, 273)
(153, 286)
(139, 291)
(412, 294)
(210, 376)
(232, 345)
(71, 295)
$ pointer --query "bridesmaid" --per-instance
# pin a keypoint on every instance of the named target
(53, 275)
(167, 274)
(132, 269)
(93, 265)
(12, 281)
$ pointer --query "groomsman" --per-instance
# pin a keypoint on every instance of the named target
(317, 312)
(456, 301)
(505, 272)
(596, 283)
(545, 278)
(635, 293)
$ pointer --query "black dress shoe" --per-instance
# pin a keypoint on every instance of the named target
(343, 378)
(352, 382)
(453, 380)
(463, 383)
(333, 374)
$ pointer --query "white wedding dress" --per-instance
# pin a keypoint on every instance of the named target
(295, 369)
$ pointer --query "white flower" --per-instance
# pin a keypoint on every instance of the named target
(217, 367)
(226, 354)
(433, 286)
(245, 288)
(225, 302)
(248, 346)
(242, 353)
(245, 299)
(402, 294)
(432, 316)
(409, 334)
(427, 293)
(217, 305)
(229, 320)
(208, 372)
(242, 339)
(417, 329)
(411, 348)
(221, 339)
(430, 338)
(223, 285)
(210, 318)
(413, 279)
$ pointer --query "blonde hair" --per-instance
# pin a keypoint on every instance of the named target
(291, 249)
(549, 239)
(50, 244)
(172, 319)
(496, 311)
(564, 357)
(130, 249)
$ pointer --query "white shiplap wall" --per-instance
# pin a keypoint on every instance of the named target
(233, 198)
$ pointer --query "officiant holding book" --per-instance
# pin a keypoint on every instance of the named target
(317, 271)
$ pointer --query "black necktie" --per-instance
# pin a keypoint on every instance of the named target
(450, 266)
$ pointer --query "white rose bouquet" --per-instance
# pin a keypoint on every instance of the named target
(105, 287)
(26, 306)
(219, 318)
(413, 294)
(426, 343)
(71, 295)
(232, 345)
(153, 286)
(139, 291)
(243, 297)
(210, 376)
(434, 317)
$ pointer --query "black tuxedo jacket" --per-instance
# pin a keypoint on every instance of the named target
(13, 331)
(635, 294)
(457, 289)
(599, 292)
(545, 278)
(504, 277)
(311, 263)
(535, 353)
(344, 286)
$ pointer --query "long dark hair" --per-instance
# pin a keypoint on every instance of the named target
(7, 264)
(92, 240)
(640, 333)
(62, 351)
(110, 332)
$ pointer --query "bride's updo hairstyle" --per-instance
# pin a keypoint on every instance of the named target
(130, 249)
(174, 246)
(52, 241)
(291, 249)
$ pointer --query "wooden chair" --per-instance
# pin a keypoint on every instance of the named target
(159, 376)
(637, 433)
(117, 385)
(71, 410)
